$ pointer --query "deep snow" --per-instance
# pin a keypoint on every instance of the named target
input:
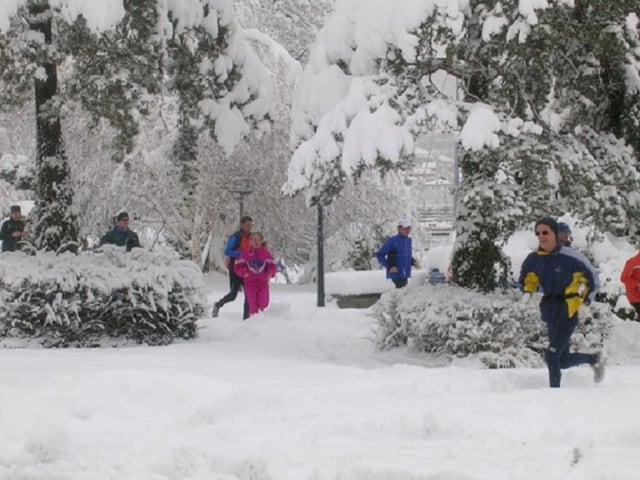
(300, 392)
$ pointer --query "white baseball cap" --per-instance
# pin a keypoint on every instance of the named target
(404, 223)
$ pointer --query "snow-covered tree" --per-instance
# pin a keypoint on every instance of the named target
(566, 105)
(39, 37)
(543, 130)
(31, 52)
(114, 59)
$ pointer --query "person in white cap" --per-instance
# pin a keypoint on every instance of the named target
(395, 255)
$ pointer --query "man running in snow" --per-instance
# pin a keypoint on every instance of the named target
(569, 284)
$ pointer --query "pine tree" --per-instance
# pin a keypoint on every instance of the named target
(116, 73)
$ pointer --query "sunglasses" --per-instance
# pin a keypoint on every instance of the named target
(543, 232)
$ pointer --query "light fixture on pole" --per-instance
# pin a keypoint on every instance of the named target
(240, 188)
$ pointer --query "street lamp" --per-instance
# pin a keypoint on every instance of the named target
(320, 267)
(240, 188)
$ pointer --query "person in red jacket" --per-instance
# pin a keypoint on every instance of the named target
(256, 267)
(631, 278)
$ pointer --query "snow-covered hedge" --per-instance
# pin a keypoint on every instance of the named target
(451, 321)
(90, 298)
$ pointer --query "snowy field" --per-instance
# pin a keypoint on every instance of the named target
(300, 393)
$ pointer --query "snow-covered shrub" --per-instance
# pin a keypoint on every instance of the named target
(451, 321)
(81, 300)
(612, 293)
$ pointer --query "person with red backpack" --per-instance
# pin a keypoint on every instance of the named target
(238, 242)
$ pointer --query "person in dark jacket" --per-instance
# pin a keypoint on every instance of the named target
(569, 283)
(12, 230)
(237, 243)
(121, 235)
(395, 255)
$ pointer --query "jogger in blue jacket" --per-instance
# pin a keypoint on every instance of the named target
(569, 283)
(395, 255)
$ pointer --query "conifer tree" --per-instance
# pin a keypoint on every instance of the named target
(116, 73)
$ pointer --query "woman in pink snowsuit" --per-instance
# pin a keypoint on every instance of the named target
(256, 267)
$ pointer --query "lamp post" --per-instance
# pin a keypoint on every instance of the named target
(240, 188)
(320, 269)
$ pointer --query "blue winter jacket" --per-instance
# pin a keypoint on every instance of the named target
(564, 273)
(396, 251)
(121, 237)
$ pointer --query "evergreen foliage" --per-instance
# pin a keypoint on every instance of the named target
(576, 95)
(96, 298)
(116, 72)
(361, 247)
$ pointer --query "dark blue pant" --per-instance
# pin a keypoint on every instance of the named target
(400, 282)
(560, 328)
(235, 285)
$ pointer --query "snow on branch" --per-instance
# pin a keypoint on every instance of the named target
(99, 15)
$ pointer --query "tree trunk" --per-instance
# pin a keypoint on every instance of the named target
(55, 226)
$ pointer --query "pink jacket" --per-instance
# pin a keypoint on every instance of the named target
(255, 265)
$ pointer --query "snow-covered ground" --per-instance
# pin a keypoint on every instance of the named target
(300, 393)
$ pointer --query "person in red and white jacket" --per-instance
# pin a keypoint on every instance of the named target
(630, 276)
(256, 267)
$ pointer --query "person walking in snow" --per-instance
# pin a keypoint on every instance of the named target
(395, 255)
(564, 234)
(237, 243)
(255, 266)
(630, 277)
(122, 235)
(569, 285)
(12, 230)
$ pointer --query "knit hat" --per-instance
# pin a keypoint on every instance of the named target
(563, 228)
(404, 223)
(549, 222)
(15, 208)
(122, 215)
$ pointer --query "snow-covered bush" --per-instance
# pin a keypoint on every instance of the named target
(89, 298)
(613, 294)
(452, 321)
